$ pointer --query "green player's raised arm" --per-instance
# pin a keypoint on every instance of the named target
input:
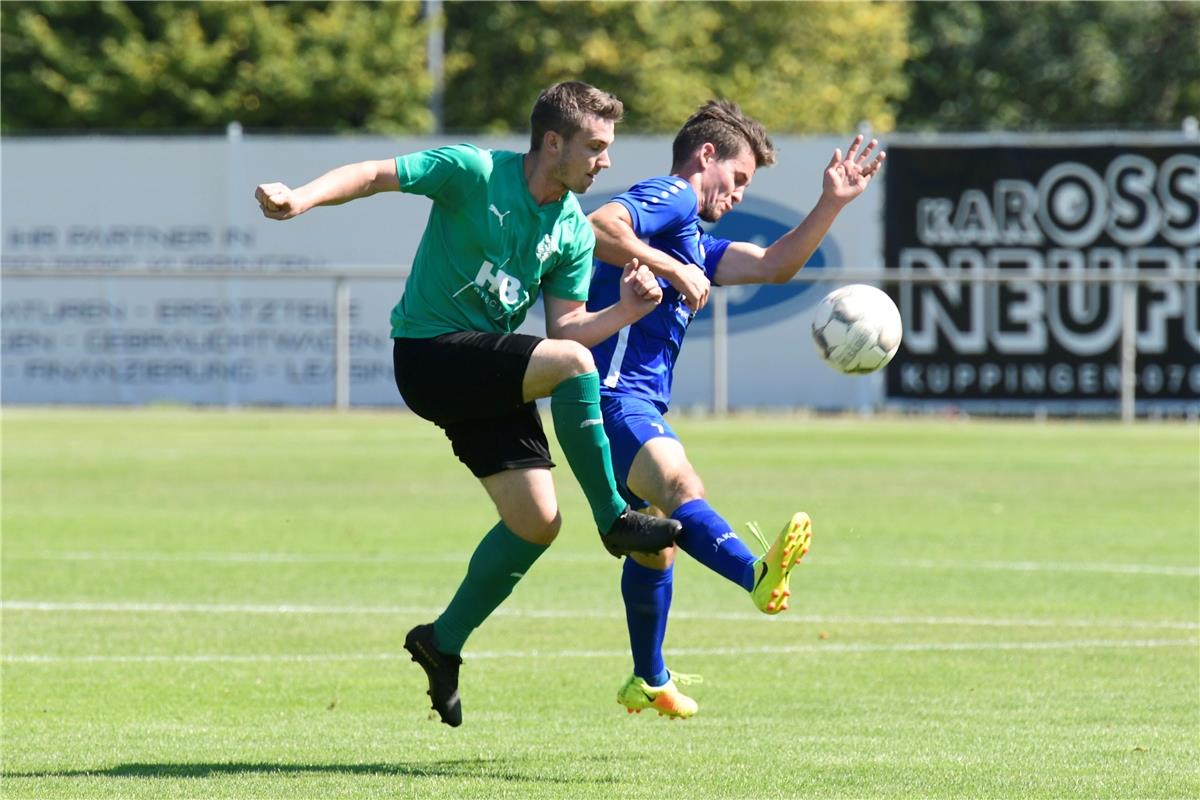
(335, 187)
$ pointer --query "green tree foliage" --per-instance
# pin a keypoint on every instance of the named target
(1048, 65)
(798, 67)
(813, 67)
(155, 66)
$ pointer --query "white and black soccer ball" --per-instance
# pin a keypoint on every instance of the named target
(857, 329)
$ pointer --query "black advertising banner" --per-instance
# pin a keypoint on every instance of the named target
(1091, 209)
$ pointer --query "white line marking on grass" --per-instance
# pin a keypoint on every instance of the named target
(462, 558)
(237, 558)
(921, 647)
(733, 616)
(210, 658)
(209, 608)
(903, 647)
(1048, 566)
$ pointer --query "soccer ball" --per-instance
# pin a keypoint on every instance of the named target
(857, 329)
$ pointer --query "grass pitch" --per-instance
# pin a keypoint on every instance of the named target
(212, 604)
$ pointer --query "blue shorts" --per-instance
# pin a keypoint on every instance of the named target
(630, 422)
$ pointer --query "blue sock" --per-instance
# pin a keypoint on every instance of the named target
(647, 595)
(708, 538)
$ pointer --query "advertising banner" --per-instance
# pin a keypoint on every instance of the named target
(250, 341)
(1062, 207)
(179, 212)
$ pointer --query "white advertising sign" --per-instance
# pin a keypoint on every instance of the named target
(182, 208)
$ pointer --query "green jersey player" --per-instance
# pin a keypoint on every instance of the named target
(504, 228)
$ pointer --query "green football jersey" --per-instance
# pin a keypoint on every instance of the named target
(488, 248)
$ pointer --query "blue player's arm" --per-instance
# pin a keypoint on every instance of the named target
(844, 180)
(618, 243)
(337, 186)
(744, 262)
(570, 319)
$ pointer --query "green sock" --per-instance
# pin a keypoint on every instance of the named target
(575, 406)
(500, 560)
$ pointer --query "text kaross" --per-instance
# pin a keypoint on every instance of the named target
(1132, 214)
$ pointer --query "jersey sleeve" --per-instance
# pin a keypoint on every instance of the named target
(438, 173)
(572, 275)
(658, 204)
(714, 249)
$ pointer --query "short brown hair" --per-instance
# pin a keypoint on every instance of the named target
(722, 123)
(563, 106)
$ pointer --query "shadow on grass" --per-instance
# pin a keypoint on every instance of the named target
(465, 768)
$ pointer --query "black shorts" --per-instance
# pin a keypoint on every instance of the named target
(469, 385)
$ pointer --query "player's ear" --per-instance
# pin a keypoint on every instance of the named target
(708, 153)
(552, 142)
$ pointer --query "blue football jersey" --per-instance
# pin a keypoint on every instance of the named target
(638, 361)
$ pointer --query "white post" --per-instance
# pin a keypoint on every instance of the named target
(341, 356)
(720, 376)
(1129, 293)
(435, 43)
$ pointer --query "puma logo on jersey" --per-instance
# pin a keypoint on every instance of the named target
(500, 216)
(503, 285)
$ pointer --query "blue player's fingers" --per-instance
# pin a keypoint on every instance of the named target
(853, 151)
(866, 153)
(876, 164)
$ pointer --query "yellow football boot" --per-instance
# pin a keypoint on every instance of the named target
(636, 695)
(770, 592)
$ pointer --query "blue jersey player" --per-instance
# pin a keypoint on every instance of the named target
(657, 221)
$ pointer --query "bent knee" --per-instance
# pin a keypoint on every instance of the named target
(576, 360)
(565, 358)
(684, 487)
(538, 526)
